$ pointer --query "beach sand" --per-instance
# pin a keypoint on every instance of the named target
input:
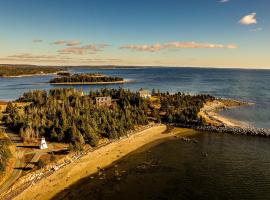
(100, 158)
(210, 112)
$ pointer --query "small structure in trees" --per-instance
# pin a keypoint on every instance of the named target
(144, 93)
(43, 144)
(104, 101)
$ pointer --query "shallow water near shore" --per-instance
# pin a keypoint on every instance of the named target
(247, 85)
(209, 166)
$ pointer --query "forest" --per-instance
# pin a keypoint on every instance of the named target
(65, 115)
(182, 108)
(90, 78)
(6, 71)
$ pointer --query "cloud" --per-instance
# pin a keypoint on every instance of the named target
(31, 56)
(59, 42)
(224, 1)
(248, 19)
(145, 47)
(73, 43)
(99, 60)
(87, 49)
(177, 45)
(256, 29)
(37, 40)
(67, 43)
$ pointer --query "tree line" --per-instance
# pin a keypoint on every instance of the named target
(64, 115)
(85, 78)
(182, 108)
(6, 71)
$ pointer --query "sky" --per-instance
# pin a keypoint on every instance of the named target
(196, 33)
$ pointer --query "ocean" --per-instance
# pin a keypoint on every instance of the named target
(242, 84)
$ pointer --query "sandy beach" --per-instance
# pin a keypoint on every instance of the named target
(100, 158)
(210, 112)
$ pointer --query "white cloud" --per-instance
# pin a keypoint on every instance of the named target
(248, 19)
(176, 45)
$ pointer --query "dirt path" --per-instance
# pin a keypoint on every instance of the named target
(19, 164)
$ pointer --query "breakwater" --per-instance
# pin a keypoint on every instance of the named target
(248, 131)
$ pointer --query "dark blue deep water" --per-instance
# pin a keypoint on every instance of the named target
(249, 85)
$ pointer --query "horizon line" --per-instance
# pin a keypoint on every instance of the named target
(144, 66)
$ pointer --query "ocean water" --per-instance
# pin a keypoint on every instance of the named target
(248, 85)
(217, 166)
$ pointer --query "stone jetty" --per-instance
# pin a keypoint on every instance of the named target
(248, 131)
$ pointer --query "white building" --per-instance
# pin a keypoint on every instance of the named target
(43, 144)
(104, 101)
(144, 93)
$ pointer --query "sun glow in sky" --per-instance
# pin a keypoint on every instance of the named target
(203, 33)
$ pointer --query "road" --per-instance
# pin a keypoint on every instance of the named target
(19, 164)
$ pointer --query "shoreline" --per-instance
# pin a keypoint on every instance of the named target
(210, 113)
(99, 158)
(93, 83)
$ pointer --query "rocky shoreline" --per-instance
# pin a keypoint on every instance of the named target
(247, 131)
(211, 116)
(215, 123)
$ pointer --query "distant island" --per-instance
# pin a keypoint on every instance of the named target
(86, 79)
(21, 70)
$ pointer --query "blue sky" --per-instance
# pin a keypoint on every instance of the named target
(141, 32)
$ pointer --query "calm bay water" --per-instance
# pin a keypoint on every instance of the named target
(249, 85)
(236, 167)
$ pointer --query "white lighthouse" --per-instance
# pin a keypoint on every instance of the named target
(43, 144)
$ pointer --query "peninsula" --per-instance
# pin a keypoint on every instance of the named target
(26, 70)
(75, 125)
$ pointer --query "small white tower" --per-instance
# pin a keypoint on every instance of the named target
(43, 144)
